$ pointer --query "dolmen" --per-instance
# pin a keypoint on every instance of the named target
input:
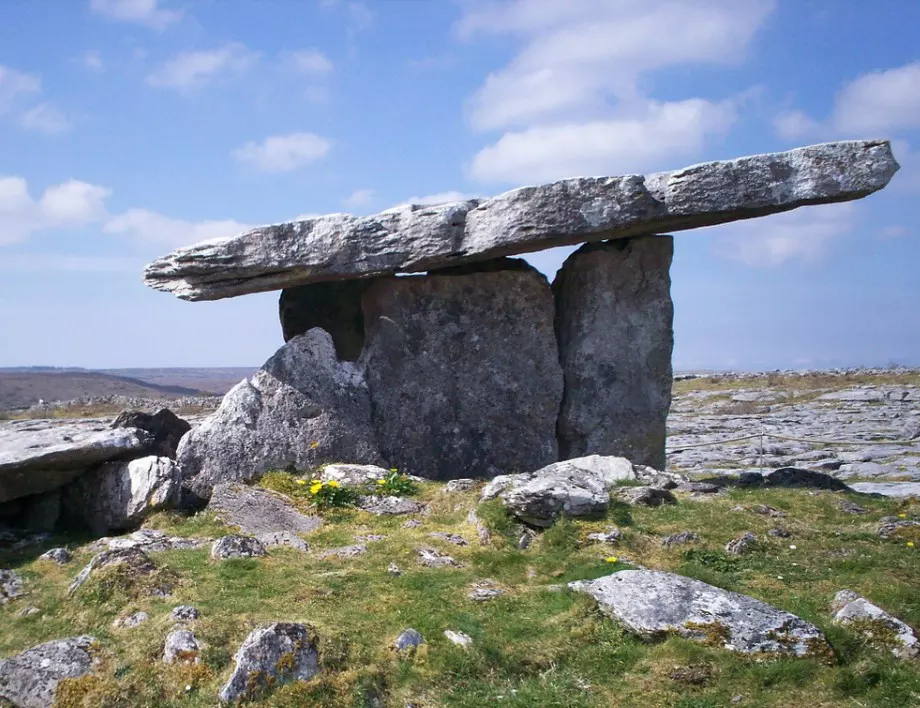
(413, 338)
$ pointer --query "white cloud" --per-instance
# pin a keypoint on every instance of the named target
(803, 234)
(45, 118)
(142, 12)
(92, 60)
(359, 198)
(309, 61)
(894, 231)
(15, 84)
(617, 146)
(880, 102)
(796, 125)
(69, 204)
(191, 70)
(283, 153)
(150, 227)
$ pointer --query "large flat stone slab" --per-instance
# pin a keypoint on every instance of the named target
(259, 511)
(614, 325)
(463, 371)
(416, 238)
(38, 456)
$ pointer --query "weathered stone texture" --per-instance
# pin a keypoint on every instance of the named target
(614, 321)
(463, 372)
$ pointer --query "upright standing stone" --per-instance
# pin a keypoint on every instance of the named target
(614, 326)
(463, 371)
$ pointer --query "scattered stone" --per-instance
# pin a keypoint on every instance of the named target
(421, 238)
(269, 657)
(151, 541)
(525, 540)
(344, 552)
(118, 496)
(779, 532)
(792, 477)
(750, 479)
(453, 538)
(10, 585)
(388, 506)
(30, 679)
(611, 536)
(653, 603)
(59, 555)
(137, 562)
(370, 538)
(394, 570)
(131, 621)
(458, 638)
(303, 408)
(28, 611)
(897, 490)
(645, 496)
(283, 539)
(408, 639)
(765, 510)
(698, 488)
(614, 327)
(681, 538)
(434, 559)
(694, 674)
(185, 613)
(875, 625)
(459, 485)
(742, 545)
(181, 647)
(258, 511)
(848, 507)
(482, 371)
(165, 427)
(898, 529)
(236, 546)
(352, 475)
(485, 590)
(482, 531)
(412, 524)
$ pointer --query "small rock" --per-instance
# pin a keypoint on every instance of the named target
(344, 552)
(458, 638)
(749, 479)
(150, 541)
(135, 559)
(30, 679)
(394, 570)
(434, 559)
(896, 529)
(283, 539)
(408, 639)
(765, 510)
(645, 496)
(460, 485)
(131, 621)
(482, 531)
(235, 546)
(371, 538)
(388, 506)
(485, 590)
(525, 539)
(698, 488)
(453, 538)
(794, 478)
(412, 524)
(185, 613)
(181, 647)
(10, 585)
(679, 539)
(57, 555)
(610, 536)
(742, 545)
(694, 674)
(876, 625)
(737, 699)
(848, 507)
(779, 532)
(28, 611)
(352, 475)
(271, 656)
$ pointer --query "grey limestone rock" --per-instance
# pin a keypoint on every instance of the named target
(165, 427)
(614, 326)
(358, 549)
(30, 679)
(131, 621)
(388, 506)
(421, 238)
(181, 647)
(463, 371)
(302, 409)
(283, 539)
(653, 603)
(352, 475)
(742, 545)
(185, 613)
(59, 555)
(408, 639)
(135, 559)
(269, 657)
(645, 496)
(876, 625)
(458, 638)
(10, 585)
(432, 558)
(258, 511)
(236, 546)
(681, 538)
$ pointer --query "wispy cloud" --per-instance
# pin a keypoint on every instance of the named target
(308, 61)
(14, 85)
(142, 12)
(359, 198)
(45, 118)
(148, 226)
(92, 60)
(191, 70)
(283, 153)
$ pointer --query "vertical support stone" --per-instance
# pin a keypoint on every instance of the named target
(614, 325)
(463, 370)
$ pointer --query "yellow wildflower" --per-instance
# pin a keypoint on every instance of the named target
(333, 483)
(381, 481)
(314, 445)
(316, 487)
(301, 481)
(902, 516)
(910, 544)
(611, 559)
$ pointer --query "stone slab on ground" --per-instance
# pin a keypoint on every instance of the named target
(258, 511)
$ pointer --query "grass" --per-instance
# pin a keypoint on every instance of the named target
(536, 645)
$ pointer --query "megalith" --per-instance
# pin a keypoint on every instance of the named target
(614, 320)
(334, 306)
(463, 370)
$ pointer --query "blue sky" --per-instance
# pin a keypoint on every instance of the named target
(131, 127)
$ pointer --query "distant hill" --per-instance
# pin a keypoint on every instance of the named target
(24, 386)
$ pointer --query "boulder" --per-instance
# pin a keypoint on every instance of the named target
(164, 426)
(653, 604)
(38, 458)
(742, 545)
(269, 657)
(58, 555)
(235, 546)
(352, 475)
(463, 371)
(875, 625)
(388, 506)
(645, 496)
(795, 478)
(181, 647)
(304, 408)
(138, 563)
(131, 621)
(283, 539)
(408, 639)
(30, 679)
(10, 585)
(614, 321)
(259, 511)
(150, 541)
(415, 238)
(185, 613)
(334, 307)
(118, 496)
